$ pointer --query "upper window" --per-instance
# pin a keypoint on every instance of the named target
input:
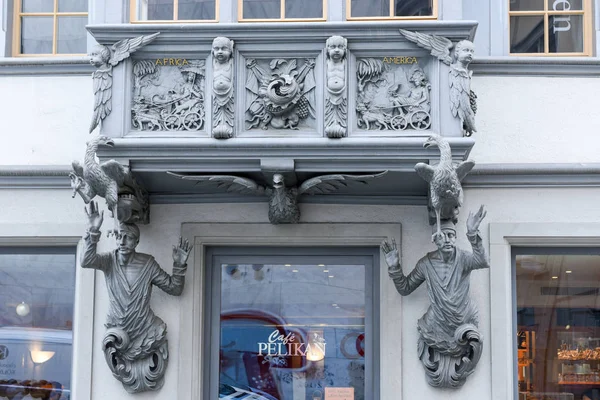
(37, 293)
(174, 11)
(291, 324)
(388, 9)
(550, 27)
(558, 323)
(50, 27)
(278, 10)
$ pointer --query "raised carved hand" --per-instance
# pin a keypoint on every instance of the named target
(474, 220)
(95, 218)
(182, 251)
(390, 250)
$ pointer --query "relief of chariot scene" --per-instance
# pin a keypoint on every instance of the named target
(392, 96)
(168, 97)
(280, 94)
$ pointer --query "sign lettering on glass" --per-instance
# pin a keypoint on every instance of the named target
(339, 393)
(279, 344)
(558, 26)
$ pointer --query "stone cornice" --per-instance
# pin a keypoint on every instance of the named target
(284, 32)
(46, 66)
(34, 177)
(536, 66)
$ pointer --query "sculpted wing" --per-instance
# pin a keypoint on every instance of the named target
(228, 183)
(115, 170)
(123, 48)
(425, 171)
(463, 169)
(77, 168)
(460, 98)
(102, 96)
(438, 45)
(325, 184)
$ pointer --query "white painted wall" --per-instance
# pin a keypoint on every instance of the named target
(520, 119)
(536, 120)
(45, 119)
(504, 205)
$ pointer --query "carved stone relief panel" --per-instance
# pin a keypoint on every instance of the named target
(393, 93)
(280, 94)
(168, 95)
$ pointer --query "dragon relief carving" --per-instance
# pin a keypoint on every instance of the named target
(125, 197)
(463, 101)
(168, 97)
(392, 98)
(280, 94)
(105, 58)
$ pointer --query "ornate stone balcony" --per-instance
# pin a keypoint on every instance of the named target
(281, 98)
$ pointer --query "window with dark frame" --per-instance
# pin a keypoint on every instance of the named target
(557, 318)
(37, 294)
(287, 325)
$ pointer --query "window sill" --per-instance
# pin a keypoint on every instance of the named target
(537, 66)
(73, 65)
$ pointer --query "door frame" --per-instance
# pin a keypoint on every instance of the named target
(193, 320)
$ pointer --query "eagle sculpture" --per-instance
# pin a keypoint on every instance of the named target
(283, 201)
(445, 190)
(93, 179)
(105, 58)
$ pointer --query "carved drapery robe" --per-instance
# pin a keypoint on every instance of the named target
(135, 344)
(449, 341)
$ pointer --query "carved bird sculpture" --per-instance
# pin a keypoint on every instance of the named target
(283, 201)
(93, 179)
(444, 179)
(105, 58)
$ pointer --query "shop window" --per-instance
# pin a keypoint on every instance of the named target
(50, 27)
(550, 27)
(281, 10)
(36, 321)
(558, 323)
(287, 325)
(390, 9)
(174, 11)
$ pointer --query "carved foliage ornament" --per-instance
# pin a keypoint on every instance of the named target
(135, 343)
(168, 97)
(105, 58)
(336, 98)
(392, 97)
(280, 94)
(223, 101)
(112, 181)
(462, 99)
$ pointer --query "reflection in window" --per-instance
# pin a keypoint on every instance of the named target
(42, 31)
(36, 319)
(174, 10)
(561, 27)
(558, 326)
(379, 9)
(281, 9)
(289, 331)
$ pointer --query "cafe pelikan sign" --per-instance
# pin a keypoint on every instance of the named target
(282, 345)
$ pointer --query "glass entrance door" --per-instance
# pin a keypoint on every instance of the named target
(291, 324)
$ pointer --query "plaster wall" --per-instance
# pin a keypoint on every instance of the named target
(536, 120)
(46, 207)
(520, 119)
(45, 119)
